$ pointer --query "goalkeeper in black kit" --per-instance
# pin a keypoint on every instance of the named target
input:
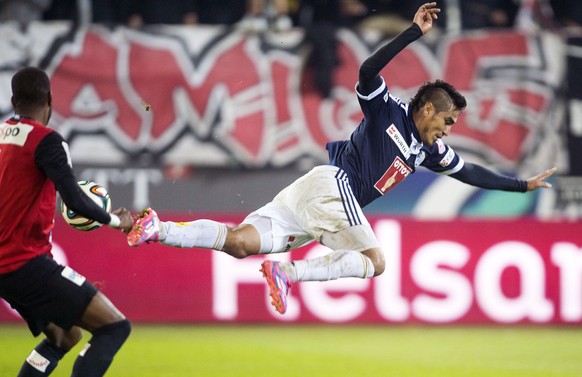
(53, 299)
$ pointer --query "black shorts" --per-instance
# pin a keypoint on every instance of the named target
(43, 291)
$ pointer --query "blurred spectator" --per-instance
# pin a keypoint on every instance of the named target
(320, 20)
(262, 14)
(220, 12)
(23, 11)
(109, 12)
(136, 13)
(389, 18)
(61, 10)
(145, 12)
(567, 12)
(479, 14)
(535, 15)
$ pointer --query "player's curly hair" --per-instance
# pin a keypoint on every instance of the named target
(441, 94)
(30, 89)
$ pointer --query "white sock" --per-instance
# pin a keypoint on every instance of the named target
(338, 264)
(205, 234)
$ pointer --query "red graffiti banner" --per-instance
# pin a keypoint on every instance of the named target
(217, 97)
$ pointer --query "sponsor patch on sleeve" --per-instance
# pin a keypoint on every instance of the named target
(448, 158)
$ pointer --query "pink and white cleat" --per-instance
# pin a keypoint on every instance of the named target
(146, 228)
(278, 283)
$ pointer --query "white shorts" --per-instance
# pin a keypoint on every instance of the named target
(318, 206)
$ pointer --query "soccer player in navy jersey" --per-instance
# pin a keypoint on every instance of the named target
(53, 299)
(326, 204)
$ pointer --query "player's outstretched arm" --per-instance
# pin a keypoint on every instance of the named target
(539, 181)
(369, 73)
(425, 15)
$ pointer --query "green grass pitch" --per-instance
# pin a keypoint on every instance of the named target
(322, 351)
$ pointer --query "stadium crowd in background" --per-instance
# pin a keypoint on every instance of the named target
(23, 11)
(258, 15)
(261, 15)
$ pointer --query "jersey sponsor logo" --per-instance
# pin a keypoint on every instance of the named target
(38, 361)
(16, 135)
(448, 158)
(72, 275)
(399, 140)
(393, 176)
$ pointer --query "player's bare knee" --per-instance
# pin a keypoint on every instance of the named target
(235, 244)
(241, 242)
(378, 261)
(237, 252)
(379, 268)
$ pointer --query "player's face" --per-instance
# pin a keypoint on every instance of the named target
(437, 125)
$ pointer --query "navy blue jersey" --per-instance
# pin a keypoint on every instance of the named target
(386, 148)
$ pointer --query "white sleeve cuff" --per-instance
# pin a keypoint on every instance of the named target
(115, 221)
